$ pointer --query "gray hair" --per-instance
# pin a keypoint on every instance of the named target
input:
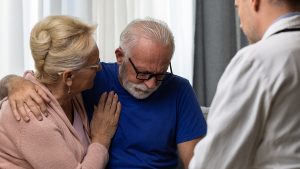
(149, 28)
(58, 43)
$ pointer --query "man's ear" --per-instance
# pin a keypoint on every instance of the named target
(255, 5)
(68, 77)
(119, 55)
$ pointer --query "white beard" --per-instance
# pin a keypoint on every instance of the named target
(139, 91)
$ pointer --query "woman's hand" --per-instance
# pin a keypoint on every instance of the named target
(105, 119)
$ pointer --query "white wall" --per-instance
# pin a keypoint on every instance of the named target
(18, 17)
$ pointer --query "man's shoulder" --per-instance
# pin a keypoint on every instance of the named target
(108, 66)
(6, 114)
(176, 79)
(274, 51)
(107, 70)
(107, 78)
(267, 59)
(176, 84)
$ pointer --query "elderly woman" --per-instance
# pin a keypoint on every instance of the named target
(66, 59)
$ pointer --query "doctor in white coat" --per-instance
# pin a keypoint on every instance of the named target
(254, 119)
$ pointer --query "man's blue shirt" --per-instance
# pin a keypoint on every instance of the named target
(149, 129)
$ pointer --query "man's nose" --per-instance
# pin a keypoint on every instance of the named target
(151, 83)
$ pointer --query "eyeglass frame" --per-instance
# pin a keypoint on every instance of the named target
(150, 75)
(93, 66)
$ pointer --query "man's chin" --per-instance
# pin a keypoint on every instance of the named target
(138, 91)
(140, 94)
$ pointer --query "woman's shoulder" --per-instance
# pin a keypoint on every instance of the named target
(9, 124)
(6, 113)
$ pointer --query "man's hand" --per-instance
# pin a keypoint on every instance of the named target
(25, 97)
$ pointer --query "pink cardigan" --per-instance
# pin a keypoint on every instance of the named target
(49, 144)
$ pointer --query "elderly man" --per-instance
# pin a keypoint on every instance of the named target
(254, 118)
(160, 115)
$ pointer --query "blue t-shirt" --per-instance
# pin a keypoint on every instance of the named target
(149, 129)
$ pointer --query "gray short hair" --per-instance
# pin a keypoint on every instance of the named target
(149, 28)
(60, 42)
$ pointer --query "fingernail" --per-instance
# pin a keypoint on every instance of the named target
(27, 119)
(40, 118)
(46, 113)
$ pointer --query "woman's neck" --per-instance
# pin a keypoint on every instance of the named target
(69, 111)
(64, 99)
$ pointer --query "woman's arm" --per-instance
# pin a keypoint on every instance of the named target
(57, 152)
(45, 145)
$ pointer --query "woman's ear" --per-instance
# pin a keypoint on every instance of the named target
(68, 77)
(119, 55)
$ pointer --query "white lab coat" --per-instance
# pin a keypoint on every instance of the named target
(254, 119)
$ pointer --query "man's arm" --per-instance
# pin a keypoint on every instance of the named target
(23, 95)
(3, 85)
(191, 125)
(186, 150)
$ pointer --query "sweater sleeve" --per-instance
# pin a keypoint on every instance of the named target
(96, 153)
(45, 146)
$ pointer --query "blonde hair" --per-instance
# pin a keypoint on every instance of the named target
(149, 28)
(59, 43)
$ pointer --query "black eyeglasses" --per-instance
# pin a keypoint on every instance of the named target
(147, 76)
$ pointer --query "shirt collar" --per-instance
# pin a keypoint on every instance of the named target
(287, 20)
(290, 14)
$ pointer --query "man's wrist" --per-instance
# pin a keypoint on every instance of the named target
(5, 85)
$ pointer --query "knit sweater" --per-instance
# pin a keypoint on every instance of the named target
(49, 144)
